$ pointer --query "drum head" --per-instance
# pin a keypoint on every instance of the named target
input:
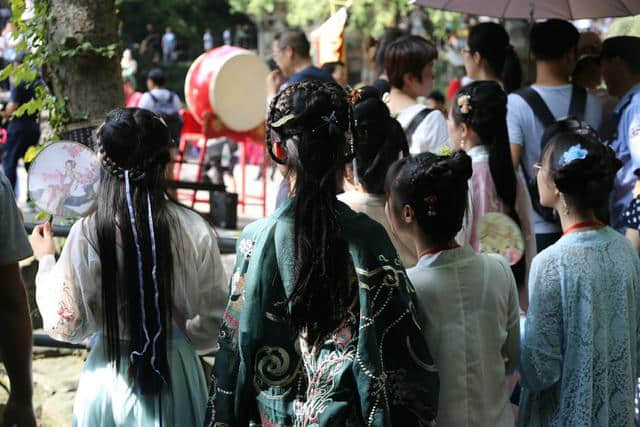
(499, 234)
(63, 179)
(238, 93)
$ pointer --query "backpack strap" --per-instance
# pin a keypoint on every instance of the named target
(578, 105)
(537, 104)
(417, 119)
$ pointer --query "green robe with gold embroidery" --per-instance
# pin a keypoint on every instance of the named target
(374, 370)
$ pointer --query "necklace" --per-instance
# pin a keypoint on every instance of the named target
(581, 225)
(433, 251)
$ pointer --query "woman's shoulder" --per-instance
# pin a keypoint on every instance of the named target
(191, 220)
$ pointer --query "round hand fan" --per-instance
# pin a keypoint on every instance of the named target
(499, 234)
(63, 179)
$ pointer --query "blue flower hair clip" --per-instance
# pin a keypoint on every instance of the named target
(575, 152)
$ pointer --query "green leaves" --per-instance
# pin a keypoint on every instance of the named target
(32, 36)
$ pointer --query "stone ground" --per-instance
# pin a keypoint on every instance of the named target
(56, 372)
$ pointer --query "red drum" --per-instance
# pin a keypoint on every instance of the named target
(229, 83)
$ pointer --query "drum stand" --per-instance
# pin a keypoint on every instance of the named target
(199, 140)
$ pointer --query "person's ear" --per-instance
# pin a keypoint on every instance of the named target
(279, 152)
(407, 79)
(288, 51)
(464, 130)
(348, 174)
(476, 57)
(408, 214)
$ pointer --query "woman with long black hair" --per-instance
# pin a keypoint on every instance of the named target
(144, 274)
(489, 55)
(381, 141)
(320, 328)
(478, 124)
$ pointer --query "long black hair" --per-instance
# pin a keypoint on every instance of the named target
(487, 116)
(381, 139)
(491, 41)
(135, 143)
(312, 120)
(436, 188)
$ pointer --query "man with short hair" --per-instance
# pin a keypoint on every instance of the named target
(620, 63)
(291, 54)
(408, 63)
(163, 102)
(15, 337)
(554, 45)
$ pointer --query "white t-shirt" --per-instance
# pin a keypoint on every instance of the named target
(526, 130)
(431, 133)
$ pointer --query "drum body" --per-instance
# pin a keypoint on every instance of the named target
(228, 85)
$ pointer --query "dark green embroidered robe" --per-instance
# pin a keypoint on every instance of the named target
(374, 370)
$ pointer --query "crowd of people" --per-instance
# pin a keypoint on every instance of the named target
(367, 297)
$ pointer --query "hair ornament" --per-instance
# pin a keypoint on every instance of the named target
(575, 152)
(283, 121)
(444, 151)
(355, 95)
(464, 102)
(431, 202)
(331, 118)
(326, 120)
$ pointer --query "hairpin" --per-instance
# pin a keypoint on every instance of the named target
(283, 120)
(575, 152)
(431, 203)
(331, 118)
(354, 98)
(464, 102)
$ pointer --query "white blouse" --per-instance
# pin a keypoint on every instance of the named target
(68, 292)
(468, 304)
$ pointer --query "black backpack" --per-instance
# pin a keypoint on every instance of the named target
(166, 110)
(577, 109)
(415, 122)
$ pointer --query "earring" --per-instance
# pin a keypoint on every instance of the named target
(565, 208)
(462, 143)
(279, 152)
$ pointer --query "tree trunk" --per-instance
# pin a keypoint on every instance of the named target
(90, 82)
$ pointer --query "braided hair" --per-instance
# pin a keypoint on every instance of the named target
(381, 139)
(133, 145)
(436, 188)
(311, 121)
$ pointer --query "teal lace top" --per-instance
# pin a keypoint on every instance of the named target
(579, 354)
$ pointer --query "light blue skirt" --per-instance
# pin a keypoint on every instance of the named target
(105, 397)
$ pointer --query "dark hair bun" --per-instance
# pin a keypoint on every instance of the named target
(588, 181)
(460, 164)
(381, 139)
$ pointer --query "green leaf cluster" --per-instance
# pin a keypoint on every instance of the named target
(39, 53)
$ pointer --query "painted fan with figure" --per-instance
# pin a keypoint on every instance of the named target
(63, 180)
(499, 234)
